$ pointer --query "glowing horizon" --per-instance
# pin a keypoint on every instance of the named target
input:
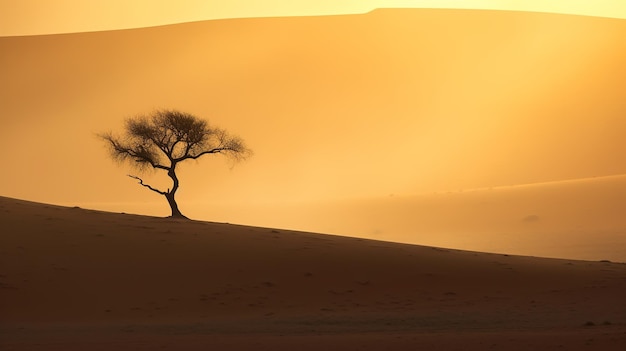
(37, 17)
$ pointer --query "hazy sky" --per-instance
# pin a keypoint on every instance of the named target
(26, 17)
(390, 102)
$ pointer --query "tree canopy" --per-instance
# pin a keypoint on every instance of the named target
(165, 138)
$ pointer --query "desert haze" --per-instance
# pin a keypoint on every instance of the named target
(75, 279)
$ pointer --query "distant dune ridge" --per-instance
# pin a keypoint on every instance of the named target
(583, 219)
(75, 279)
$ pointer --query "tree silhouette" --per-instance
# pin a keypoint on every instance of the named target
(163, 139)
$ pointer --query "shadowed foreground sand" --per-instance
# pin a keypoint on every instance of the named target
(73, 279)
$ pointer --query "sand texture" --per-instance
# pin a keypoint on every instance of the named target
(76, 279)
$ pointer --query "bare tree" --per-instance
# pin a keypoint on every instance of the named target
(164, 138)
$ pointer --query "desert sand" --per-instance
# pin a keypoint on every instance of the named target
(77, 279)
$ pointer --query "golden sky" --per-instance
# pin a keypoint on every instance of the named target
(27, 17)
(540, 99)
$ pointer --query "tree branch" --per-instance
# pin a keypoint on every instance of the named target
(119, 150)
(212, 151)
(154, 165)
(161, 167)
(148, 186)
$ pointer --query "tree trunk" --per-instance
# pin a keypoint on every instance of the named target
(174, 206)
(170, 195)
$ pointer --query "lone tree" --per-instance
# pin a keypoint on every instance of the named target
(164, 138)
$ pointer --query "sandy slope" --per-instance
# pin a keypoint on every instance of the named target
(73, 279)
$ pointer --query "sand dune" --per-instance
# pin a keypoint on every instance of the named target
(75, 279)
(581, 219)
